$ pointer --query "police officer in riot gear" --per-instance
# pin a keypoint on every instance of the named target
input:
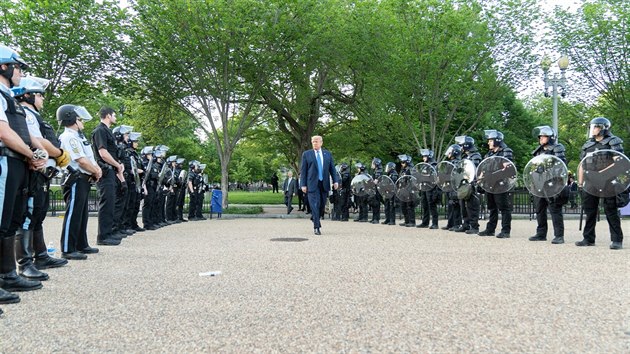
(453, 208)
(192, 186)
(470, 207)
(548, 146)
(429, 199)
(170, 182)
(149, 188)
(159, 202)
(375, 200)
(19, 151)
(134, 183)
(76, 187)
(361, 201)
(390, 204)
(502, 201)
(345, 191)
(408, 209)
(121, 134)
(182, 181)
(31, 249)
(600, 138)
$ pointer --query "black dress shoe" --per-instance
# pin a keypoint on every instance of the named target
(433, 227)
(472, 231)
(8, 298)
(446, 227)
(374, 221)
(423, 226)
(461, 229)
(76, 255)
(29, 271)
(385, 222)
(486, 233)
(503, 235)
(89, 250)
(108, 242)
(14, 282)
(538, 238)
(558, 240)
(584, 242)
(616, 246)
(49, 262)
(317, 232)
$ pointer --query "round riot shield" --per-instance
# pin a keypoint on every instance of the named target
(425, 175)
(363, 185)
(463, 173)
(604, 173)
(545, 176)
(443, 178)
(496, 174)
(386, 187)
(407, 189)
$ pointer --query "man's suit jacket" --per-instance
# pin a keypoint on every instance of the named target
(309, 176)
(289, 187)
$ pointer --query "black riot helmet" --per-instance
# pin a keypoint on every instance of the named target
(343, 167)
(120, 131)
(544, 130)
(465, 141)
(68, 114)
(427, 152)
(404, 158)
(493, 134)
(600, 122)
(453, 152)
(390, 166)
(360, 166)
(377, 163)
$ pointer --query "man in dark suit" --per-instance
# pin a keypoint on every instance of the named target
(289, 187)
(316, 170)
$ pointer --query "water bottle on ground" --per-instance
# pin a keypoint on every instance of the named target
(51, 249)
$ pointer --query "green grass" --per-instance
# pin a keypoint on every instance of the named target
(243, 210)
(240, 197)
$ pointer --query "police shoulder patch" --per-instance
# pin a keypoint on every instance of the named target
(74, 145)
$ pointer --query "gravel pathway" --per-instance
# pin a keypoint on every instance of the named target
(357, 288)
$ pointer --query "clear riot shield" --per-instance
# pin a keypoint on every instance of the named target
(463, 173)
(604, 173)
(136, 177)
(443, 178)
(162, 173)
(425, 175)
(407, 189)
(363, 185)
(496, 174)
(386, 187)
(545, 176)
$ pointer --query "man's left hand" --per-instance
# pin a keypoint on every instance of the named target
(336, 185)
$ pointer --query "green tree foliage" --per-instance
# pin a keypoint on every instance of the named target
(597, 39)
(75, 44)
(195, 54)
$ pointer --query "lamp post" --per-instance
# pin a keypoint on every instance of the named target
(554, 82)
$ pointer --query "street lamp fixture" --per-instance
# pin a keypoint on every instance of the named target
(555, 82)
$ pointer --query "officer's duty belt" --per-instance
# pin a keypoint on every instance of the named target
(5, 151)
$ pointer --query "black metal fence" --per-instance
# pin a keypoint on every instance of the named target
(522, 203)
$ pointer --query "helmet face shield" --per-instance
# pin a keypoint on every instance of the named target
(125, 129)
(82, 113)
(543, 130)
(390, 166)
(30, 84)
(134, 136)
(147, 150)
(180, 160)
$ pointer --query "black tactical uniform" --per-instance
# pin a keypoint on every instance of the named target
(345, 191)
(601, 139)
(453, 208)
(390, 204)
(553, 204)
(376, 200)
(408, 209)
(501, 201)
(122, 187)
(150, 185)
(429, 199)
(361, 201)
(102, 138)
(134, 184)
(470, 206)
